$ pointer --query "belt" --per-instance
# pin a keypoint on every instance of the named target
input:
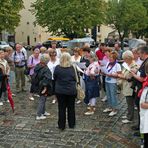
(20, 66)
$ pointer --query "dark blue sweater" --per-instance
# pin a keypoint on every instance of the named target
(65, 81)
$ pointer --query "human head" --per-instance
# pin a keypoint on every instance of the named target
(36, 52)
(113, 56)
(107, 51)
(143, 52)
(136, 53)
(9, 50)
(52, 53)
(103, 47)
(86, 52)
(128, 56)
(117, 46)
(76, 51)
(43, 50)
(53, 44)
(65, 60)
(18, 47)
(44, 59)
(92, 57)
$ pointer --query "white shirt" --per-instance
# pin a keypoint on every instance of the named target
(51, 65)
(58, 50)
(75, 60)
(144, 112)
(116, 68)
(139, 62)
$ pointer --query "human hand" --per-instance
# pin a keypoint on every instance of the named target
(144, 105)
(44, 90)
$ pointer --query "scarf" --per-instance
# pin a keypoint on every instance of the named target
(145, 84)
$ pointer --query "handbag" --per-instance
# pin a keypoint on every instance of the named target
(80, 91)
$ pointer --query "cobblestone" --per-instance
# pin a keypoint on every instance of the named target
(21, 130)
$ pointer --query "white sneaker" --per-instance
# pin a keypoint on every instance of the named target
(8, 101)
(107, 110)
(113, 113)
(40, 117)
(124, 117)
(78, 102)
(53, 101)
(1, 103)
(89, 113)
(31, 98)
(46, 114)
(36, 95)
(13, 95)
(126, 121)
(104, 99)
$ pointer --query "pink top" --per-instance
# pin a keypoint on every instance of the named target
(33, 61)
(93, 69)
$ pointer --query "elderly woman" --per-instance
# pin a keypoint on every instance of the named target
(53, 62)
(65, 90)
(137, 56)
(127, 90)
(76, 57)
(112, 70)
(91, 82)
(42, 79)
(33, 60)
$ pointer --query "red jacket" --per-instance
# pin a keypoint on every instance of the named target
(100, 54)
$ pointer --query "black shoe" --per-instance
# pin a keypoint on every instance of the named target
(135, 128)
(137, 134)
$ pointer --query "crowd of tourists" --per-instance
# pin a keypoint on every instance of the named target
(57, 72)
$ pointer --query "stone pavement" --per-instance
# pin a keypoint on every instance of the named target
(21, 130)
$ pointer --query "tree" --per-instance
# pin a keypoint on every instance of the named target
(68, 17)
(126, 16)
(9, 14)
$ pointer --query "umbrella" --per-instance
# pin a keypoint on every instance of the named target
(10, 97)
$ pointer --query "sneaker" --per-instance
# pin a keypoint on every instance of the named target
(89, 113)
(104, 99)
(126, 121)
(31, 98)
(107, 110)
(53, 101)
(124, 117)
(8, 101)
(13, 95)
(135, 108)
(40, 117)
(78, 102)
(113, 113)
(1, 103)
(46, 114)
(36, 95)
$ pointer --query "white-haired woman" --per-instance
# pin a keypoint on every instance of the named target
(33, 60)
(65, 90)
(42, 80)
(127, 89)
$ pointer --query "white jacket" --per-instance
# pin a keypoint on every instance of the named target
(144, 112)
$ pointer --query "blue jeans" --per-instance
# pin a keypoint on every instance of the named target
(111, 92)
(11, 78)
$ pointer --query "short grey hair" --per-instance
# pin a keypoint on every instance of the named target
(128, 54)
(65, 60)
(44, 58)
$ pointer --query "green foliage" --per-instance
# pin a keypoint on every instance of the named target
(68, 17)
(9, 14)
(126, 16)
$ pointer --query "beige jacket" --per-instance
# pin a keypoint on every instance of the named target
(126, 86)
(4, 66)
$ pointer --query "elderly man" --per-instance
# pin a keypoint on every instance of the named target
(19, 58)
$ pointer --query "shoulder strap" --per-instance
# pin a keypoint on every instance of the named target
(76, 75)
(32, 60)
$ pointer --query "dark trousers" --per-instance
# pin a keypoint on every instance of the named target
(137, 102)
(146, 140)
(66, 102)
(130, 106)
